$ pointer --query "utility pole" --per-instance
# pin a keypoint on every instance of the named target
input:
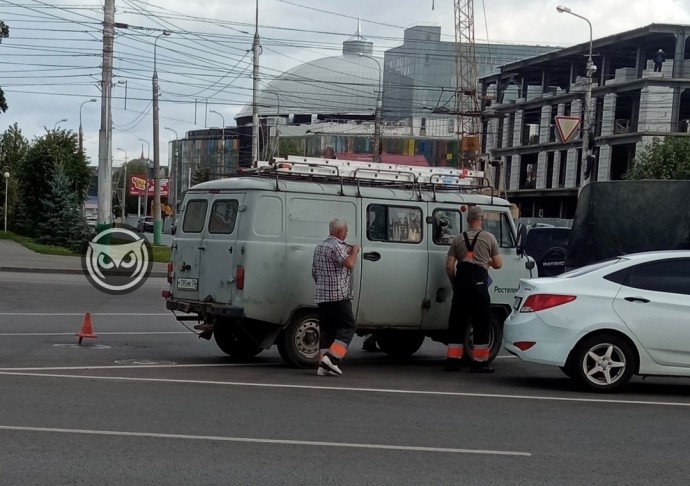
(172, 176)
(157, 222)
(255, 91)
(377, 113)
(105, 169)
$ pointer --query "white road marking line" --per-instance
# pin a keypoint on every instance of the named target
(355, 389)
(99, 333)
(70, 314)
(265, 441)
(127, 367)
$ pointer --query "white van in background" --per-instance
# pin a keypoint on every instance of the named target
(242, 253)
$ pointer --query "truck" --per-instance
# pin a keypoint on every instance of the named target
(242, 253)
(621, 217)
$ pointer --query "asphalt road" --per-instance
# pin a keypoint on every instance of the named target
(147, 402)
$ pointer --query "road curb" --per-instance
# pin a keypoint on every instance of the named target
(64, 271)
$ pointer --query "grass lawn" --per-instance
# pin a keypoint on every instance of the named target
(161, 253)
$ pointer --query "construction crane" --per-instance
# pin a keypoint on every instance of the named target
(467, 110)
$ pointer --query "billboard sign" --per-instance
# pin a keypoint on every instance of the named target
(137, 186)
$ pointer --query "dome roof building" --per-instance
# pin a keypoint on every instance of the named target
(336, 87)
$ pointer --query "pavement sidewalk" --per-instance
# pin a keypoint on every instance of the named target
(15, 258)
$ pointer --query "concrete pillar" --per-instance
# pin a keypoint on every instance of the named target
(561, 109)
(656, 109)
(514, 173)
(517, 129)
(576, 110)
(571, 169)
(541, 170)
(556, 169)
(679, 57)
(545, 124)
(492, 135)
(507, 134)
(608, 118)
(604, 163)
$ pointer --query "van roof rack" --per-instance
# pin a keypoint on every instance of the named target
(341, 170)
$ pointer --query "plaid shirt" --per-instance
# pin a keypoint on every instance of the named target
(333, 280)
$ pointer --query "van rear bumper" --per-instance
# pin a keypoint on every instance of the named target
(204, 308)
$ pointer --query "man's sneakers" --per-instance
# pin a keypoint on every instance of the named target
(328, 368)
(322, 371)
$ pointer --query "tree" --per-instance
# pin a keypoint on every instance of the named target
(4, 33)
(35, 173)
(201, 174)
(289, 147)
(63, 223)
(667, 158)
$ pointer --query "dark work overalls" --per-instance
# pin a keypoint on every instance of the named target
(470, 305)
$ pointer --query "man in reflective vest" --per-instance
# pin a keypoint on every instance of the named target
(469, 258)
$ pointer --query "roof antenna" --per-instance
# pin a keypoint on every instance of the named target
(358, 34)
(432, 4)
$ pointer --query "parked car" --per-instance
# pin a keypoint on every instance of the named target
(607, 321)
(145, 224)
(547, 245)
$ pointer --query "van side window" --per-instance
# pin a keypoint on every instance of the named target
(394, 224)
(447, 225)
(223, 216)
(194, 216)
(497, 223)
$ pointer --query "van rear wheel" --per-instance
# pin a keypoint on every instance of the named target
(298, 343)
(399, 344)
(234, 341)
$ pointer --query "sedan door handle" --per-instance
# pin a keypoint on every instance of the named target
(637, 299)
(372, 256)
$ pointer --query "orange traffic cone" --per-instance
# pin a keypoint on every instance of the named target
(86, 328)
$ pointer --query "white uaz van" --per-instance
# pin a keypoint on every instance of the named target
(242, 253)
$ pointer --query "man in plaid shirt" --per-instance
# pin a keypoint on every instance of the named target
(332, 272)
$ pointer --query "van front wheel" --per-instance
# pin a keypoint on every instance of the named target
(298, 343)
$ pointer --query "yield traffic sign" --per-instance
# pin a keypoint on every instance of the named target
(567, 126)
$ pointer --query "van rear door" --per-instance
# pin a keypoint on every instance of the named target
(186, 247)
(217, 251)
(394, 264)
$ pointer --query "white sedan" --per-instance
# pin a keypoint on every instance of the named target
(605, 322)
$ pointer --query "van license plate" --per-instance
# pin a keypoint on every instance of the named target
(516, 303)
(187, 283)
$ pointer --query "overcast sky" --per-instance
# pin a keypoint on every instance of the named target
(51, 62)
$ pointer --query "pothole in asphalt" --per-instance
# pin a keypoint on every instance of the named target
(85, 346)
(143, 362)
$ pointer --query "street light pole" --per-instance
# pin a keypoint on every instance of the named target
(146, 185)
(157, 223)
(222, 136)
(172, 177)
(124, 186)
(591, 68)
(377, 115)
(58, 122)
(7, 190)
(81, 132)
